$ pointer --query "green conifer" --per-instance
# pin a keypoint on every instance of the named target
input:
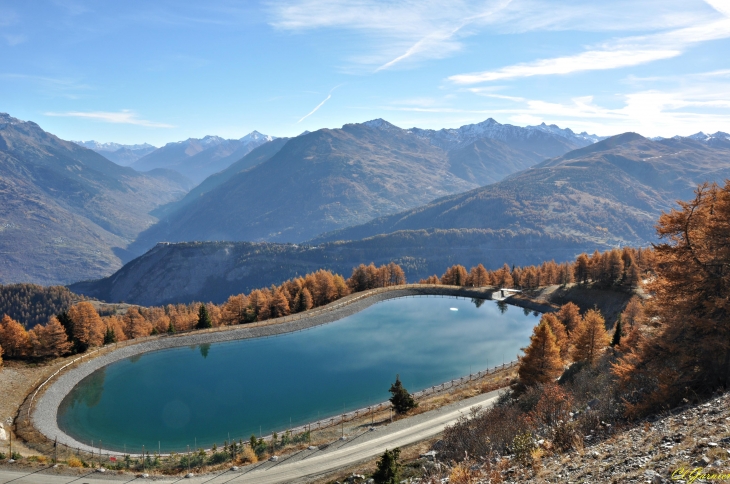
(203, 318)
(388, 468)
(109, 337)
(402, 400)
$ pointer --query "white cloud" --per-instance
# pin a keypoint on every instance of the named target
(622, 52)
(121, 117)
(587, 61)
(414, 30)
(650, 112)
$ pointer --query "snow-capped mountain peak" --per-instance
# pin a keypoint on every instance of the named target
(110, 146)
(256, 137)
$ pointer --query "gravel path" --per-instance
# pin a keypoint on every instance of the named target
(44, 417)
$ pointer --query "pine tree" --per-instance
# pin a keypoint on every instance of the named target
(203, 318)
(590, 338)
(304, 300)
(541, 362)
(109, 336)
(171, 328)
(402, 400)
(388, 468)
(616, 340)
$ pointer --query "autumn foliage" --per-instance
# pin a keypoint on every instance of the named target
(688, 351)
(82, 327)
(541, 362)
(615, 267)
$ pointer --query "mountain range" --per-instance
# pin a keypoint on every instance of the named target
(611, 192)
(335, 178)
(199, 158)
(120, 154)
(600, 196)
(68, 212)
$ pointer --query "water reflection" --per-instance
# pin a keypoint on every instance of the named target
(204, 349)
(90, 390)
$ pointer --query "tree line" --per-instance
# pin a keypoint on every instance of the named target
(81, 326)
(616, 267)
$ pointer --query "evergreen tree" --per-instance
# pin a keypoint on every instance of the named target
(616, 340)
(171, 328)
(203, 318)
(402, 400)
(109, 337)
(541, 362)
(388, 468)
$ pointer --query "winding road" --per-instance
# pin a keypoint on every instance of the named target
(301, 466)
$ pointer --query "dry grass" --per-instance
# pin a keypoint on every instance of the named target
(74, 462)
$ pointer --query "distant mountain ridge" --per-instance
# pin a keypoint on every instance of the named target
(199, 158)
(120, 154)
(604, 195)
(66, 212)
(333, 178)
(610, 192)
(544, 140)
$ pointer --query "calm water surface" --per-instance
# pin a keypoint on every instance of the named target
(202, 393)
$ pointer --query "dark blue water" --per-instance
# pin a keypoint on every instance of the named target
(200, 394)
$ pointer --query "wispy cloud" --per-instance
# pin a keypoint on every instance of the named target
(587, 61)
(618, 53)
(316, 108)
(120, 117)
(413, 30)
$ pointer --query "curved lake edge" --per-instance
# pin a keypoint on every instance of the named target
(44, 417)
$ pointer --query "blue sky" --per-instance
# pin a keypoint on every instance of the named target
(161, 71)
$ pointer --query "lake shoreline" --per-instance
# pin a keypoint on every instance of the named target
(44, 417)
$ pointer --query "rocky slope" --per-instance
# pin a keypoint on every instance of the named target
(67, 212)
(687, 444)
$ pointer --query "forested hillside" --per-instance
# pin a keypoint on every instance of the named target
(31, 304)
(210, 271)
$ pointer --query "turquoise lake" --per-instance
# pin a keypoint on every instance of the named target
(201, 394)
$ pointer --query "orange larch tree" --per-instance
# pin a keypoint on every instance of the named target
(541, 362)
(590, 338)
